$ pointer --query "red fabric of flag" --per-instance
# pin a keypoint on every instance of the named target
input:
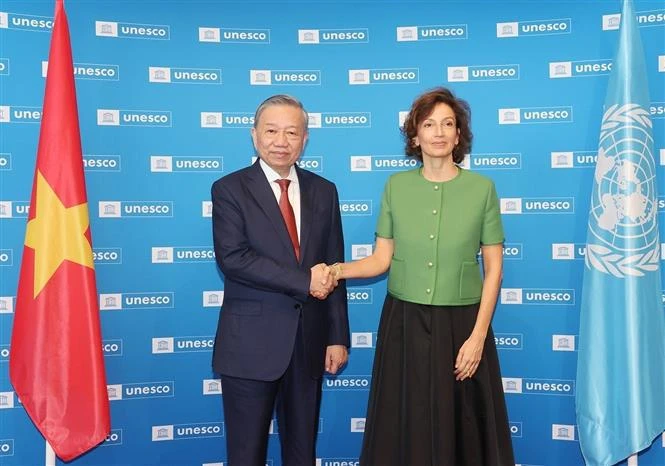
(56, 361)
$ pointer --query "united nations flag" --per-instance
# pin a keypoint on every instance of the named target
(620, 372)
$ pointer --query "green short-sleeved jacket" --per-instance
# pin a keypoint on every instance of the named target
(437, 229)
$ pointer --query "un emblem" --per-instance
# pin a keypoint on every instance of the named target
(623, 239)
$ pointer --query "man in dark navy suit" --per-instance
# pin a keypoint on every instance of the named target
(275, 226)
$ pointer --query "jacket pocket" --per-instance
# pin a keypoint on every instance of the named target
(470, 285)
(396, 276)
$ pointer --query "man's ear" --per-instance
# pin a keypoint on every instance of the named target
(253, 133)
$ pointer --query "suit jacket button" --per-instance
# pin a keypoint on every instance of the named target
(297, 306)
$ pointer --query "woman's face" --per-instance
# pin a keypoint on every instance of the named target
(438, 134)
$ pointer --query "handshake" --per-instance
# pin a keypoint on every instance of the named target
(324, 279)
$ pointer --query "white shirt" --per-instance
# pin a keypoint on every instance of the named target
(293, 191)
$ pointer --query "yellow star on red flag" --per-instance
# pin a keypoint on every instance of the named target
(57, 234)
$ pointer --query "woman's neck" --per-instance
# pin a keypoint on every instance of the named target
(439, 170)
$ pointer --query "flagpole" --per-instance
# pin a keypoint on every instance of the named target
(49, 459)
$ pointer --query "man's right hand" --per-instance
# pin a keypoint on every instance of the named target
(321, 282)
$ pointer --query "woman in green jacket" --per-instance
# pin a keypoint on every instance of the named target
(436, 396)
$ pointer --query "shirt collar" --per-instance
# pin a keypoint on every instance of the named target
(273, 176)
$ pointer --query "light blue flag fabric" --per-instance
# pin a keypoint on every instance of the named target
(620, 401)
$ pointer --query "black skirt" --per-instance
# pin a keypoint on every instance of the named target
(418, 414)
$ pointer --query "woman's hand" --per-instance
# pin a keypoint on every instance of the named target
(469, 357)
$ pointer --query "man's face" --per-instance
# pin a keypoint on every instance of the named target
(280, 136)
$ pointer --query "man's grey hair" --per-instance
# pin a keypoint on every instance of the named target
(281, 99)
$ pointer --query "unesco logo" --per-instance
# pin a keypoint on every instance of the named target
(6, 400)
(227, 120)
(212, 386)
(167, 75)
(113, 438)
(311, 163)
(20, 114)
(563, 343)
(358, 295)
(102, 256)
(538, 386)
(333, 36)
(508, 72)
(576, 159)
(32, 23)
(510, 341)
(148, 300)
(285, 77)
(564, 432)
(512, 251)
(611, 22)
(511, 161)
(4, 66)
(234, 35)
(558, 387)
(534, 115)
(384, 76)
(644, 19)
(538, 205)
(538, 296)
(6, 304)
(182, 254)
(534, 28)
(14, 209)
(657, 109)
(93, 71)
(141, 390)
(213, 299)
(515, 429)
(568, 251)
(355, 208)
(362, 340)
(254, 36)
(347, 382)
(132, 30)
(111, 117)
(209, 34)
(112, 347)
(340, 120)
(7, 447)
(6, 257)
(432, 32)
(360, 251)
(163, 345)
(118, 209)
(206, 208)
(366, 163)
(357, 424)
(5, 161)
(168, 164)
(337, 462)
(102, 163)
(4, 353)
(581, 68)
(161, 433)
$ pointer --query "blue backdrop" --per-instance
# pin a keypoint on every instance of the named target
(166, 94)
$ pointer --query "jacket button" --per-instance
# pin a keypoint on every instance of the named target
(297, 306)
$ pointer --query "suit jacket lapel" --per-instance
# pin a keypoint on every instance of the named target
(307, 203)
(265, 197)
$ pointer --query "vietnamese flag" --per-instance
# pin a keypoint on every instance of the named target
(56, 362)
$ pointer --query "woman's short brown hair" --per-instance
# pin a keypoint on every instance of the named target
(423, 107)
